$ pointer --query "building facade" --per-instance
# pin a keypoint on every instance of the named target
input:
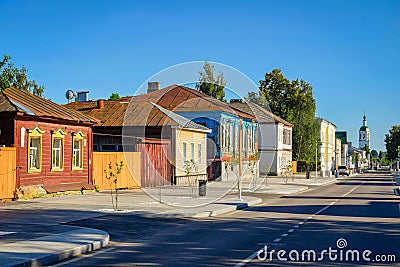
(328, 147)
(53, 144)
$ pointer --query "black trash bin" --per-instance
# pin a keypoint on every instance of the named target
(202, 187)
(308, 174)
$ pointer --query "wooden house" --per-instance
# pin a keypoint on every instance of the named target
(53, 143)
(233, 136)
(166, 140)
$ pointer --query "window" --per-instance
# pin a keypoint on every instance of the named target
(77, 154)
(77, 150)
(192, 151)
(199, 155)
(34, 153)
(35, 150)
(184, 151)
(57, 153)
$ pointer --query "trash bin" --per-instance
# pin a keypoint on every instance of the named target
(308, 174)
(202, 187)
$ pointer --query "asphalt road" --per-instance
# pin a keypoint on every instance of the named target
(354, 222)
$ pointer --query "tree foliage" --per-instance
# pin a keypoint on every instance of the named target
(210, 84)
(374, 153)
(114, 96)
(293, 101)
(257, 99)
(11, 76)
(392, 140)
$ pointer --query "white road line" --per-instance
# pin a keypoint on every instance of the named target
(84, 256)
(254, 255)
(6, 233)
(291, 231)
(296, 226)
(284, 235)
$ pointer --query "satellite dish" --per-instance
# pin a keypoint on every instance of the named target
(69, 95)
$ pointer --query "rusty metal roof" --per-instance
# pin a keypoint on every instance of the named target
(178, 98)
(12, 99)
(263, 115)
(135, 113)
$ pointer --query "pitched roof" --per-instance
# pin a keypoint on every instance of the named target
(180, 98)
(12, 99)
(116, 113)
(263, 115)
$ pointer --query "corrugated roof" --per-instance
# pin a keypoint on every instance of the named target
(12, 99)
(180, 98)
(262, 115)
(134, 113)
(183, 122)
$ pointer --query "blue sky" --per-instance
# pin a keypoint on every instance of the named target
(348, 50)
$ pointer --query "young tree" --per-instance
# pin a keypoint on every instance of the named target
(11, 76)
(392, 140)
(211, 85)
(114, 96)
(293, 101)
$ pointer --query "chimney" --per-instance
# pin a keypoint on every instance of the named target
(100, 103)
(153, 86)
(83, 96)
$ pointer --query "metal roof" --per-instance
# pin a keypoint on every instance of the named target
(13, 99)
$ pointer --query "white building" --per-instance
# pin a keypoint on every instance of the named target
(274, 138)
(364, 134)
(328, 147)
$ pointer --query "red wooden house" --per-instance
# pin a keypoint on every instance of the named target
(53, 143)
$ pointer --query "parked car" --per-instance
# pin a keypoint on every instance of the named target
(343, 170)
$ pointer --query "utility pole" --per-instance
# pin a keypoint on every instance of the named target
(316, 160)
(240, 159)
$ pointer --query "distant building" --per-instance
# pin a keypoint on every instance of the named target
(364, 134)
(342, 135)
(328, 146)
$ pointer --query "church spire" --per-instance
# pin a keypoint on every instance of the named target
(364, 119)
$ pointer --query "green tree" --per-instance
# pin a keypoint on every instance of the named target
(294, 101)
(11, 76)
(392, 140)
(210, 84)
(374, 153)
(257, 99)
(114, 96)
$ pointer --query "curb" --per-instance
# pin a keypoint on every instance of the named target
(53, 248)
(202, 214)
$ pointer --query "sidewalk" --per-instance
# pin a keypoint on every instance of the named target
(34, 232)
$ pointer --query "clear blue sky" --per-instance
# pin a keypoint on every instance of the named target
(348, 50)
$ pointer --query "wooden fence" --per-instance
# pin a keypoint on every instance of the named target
(129, 176)
(7, 172)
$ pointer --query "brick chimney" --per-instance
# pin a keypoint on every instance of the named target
(100, 103)
(153, 86)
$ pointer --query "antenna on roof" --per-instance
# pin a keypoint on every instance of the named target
(69, 95)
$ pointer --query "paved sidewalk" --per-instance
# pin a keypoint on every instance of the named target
(34, 232)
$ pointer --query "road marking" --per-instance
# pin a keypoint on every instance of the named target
(291, 231)
(83, 256)
(284, 235)
(6, 233)
(254, 255)
(296, 226)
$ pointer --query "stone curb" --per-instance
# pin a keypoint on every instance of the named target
(53, 248)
